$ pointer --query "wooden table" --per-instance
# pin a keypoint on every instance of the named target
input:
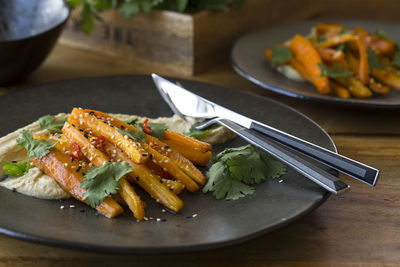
(360, 228)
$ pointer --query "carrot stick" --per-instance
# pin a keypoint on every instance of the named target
(330, 55)
(300, 69)
(145, 179)
(363, 72)
(84, 120)
(340, 91)
(305, 52)
(197, 157)
(59, 166)
(186, 141)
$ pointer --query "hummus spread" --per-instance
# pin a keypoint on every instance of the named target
(37, 184)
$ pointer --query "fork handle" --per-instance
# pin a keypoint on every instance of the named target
(336, 161)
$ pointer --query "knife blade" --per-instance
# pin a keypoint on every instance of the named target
(189, 104)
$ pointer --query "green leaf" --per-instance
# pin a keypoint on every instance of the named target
(87, 22)
(134, 122)
(381, 34)
(235, 169)
(193, 132)
(15, 169)
(129, 8)
(48, 122)
(343, 47)
(373, 60)
(101, 182)
(35, 147)
(157, 129)
(320, 38)
(74, 3)
(138, 136)
(396, 59)
(335, 72)
(280, 54)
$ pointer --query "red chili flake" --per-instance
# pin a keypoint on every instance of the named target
(100, 141)
(146, 127)
(76, 149)
(165, 175)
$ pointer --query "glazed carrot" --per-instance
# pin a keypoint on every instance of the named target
(331, 55)
(168, 165)
(300, 69)
(145, 179)
(337, 40)
(189, 142)
(197, 157)
(378, 87)
(308, 56)
(379, 45)
(268, 54)
(390, 78)
(64, 145)
(176, 186)
(59, 166)
(356, 88)
(328, 27)
(184, 163)
(85, 120)
(340, 91)
(98, 159)
(363, 72)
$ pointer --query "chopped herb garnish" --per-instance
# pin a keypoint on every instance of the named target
(396, 59)
(193, 132)
(138, 136)
(373, 60)
(101, 182)
(134, 122)
(35, 147)
(381, 34)
(48, 122)
(320, 38)
(235, 169)
(335, 72)
(15, 169)
(157, 129)
(280, 54)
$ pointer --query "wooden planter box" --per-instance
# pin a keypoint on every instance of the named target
(184, 44)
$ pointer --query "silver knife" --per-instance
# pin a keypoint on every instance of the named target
(186, 103)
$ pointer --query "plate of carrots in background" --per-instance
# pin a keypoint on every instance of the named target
(346, 62)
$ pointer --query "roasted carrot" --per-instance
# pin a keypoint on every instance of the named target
(330, 55)
(378, 87)
(340, 91)
(186, 141)
(356, 88)
(98, 127)
(98, 159)
(145, 179)
(363, 72)
(387, 77)
(328, 27)
(337, 40)
(58, 165)
(308, 56)
(268, 54)
(379, 45)
(197, 157)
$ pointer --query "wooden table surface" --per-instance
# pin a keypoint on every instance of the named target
(359, 228)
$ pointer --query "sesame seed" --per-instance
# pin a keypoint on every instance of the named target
(280, 181)
(66, 164)
(146, 219)
(158, 219)
(194, 215)
(163, 210)
(62, 207)
(72, 206)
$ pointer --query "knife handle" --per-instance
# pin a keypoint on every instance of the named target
(336, 161)
(306, 168)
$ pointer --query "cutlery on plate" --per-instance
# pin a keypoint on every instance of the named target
(185, 103)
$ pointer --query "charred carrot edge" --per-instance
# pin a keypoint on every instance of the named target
(184, 163)
(98, 159)
(54, 165)
(145, 179)
(308, 56)
(85, 120)
(198, 158)
(187, 141)
(168, 165)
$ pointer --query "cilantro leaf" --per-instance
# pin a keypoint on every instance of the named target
(280, 54)
(193, 132)
(101, 182)
(15, 168)
(35, 147)
(133, 122)
(373, 60)
(382, 34)
(47, 122)
(343, 47)
(396, 59)
(320, 38)
(335, 72)
(138, 136)
(157, 129)
(235, 169)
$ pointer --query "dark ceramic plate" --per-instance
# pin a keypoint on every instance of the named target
(219, 223)
(248, 60)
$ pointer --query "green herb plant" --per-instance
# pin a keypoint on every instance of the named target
(91, 9)
(48, 122)
(234, 170)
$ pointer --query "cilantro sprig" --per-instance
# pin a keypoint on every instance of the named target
(193, 132)
(138, 136)
(101, 182)
(335, 72)
(234, 170)
(157, 129)
(280, 54)
(34, 147)
(48, 122)
(373, 60)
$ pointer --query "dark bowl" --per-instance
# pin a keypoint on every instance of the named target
(28, 31)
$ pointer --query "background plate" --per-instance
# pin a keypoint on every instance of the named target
(219, 223)
(248, 60)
